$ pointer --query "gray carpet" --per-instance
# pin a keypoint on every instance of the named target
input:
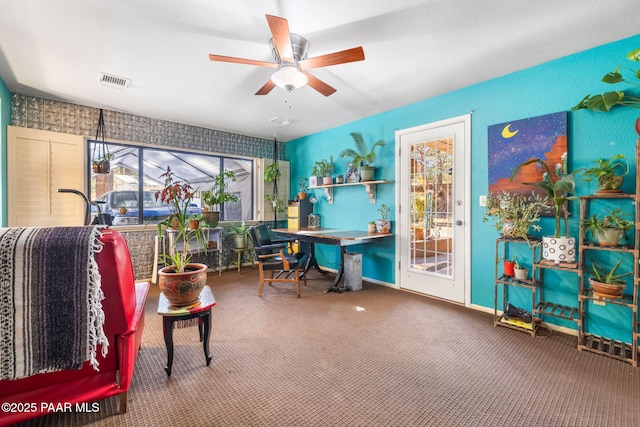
(375, 357)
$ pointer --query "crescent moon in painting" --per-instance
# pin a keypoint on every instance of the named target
(506, 132)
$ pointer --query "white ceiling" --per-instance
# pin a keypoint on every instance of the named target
(414, 49)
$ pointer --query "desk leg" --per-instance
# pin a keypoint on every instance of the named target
(312, 261)
(335, 286)
(167, 331)
(206, 320)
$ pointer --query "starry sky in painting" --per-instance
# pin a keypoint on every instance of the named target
(534, 137)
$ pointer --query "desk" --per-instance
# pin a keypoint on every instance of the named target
(200, 310)
(333, 237)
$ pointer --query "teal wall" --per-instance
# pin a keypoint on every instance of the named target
(547, 88)
(5, 120)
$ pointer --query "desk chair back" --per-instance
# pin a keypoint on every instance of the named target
(273, 257)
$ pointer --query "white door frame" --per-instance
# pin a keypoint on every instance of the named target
(466, 119)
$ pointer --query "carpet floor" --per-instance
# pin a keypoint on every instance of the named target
(374, 357)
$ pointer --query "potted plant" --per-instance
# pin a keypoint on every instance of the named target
(605, 172)
(371, 227)
(608, 230)
(102, 164)
(217, 195)
(383, 225)
(302, 188)
(606, 283)
(519, 271)
(508, 266)
(239, 231)
(180, 280)
(323, 168)
(194, 221)
(276, 201)
(514, 214)
(362, 157)
(608, 100)
(558, 248)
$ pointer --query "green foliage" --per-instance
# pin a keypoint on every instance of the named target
(523, 212)
(219, 193)
(606, 167)
(302, 185)
(384, 211)
(238, 229)
(557, 190)
(361, 155)
(607, 276)
(608, 100)
(322, 167)
(616, 218)
(178, 196)
(272, 172)
(278, 203)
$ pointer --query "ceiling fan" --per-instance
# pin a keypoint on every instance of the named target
(290, 52)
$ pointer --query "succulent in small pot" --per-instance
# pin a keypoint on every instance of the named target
(383, 225)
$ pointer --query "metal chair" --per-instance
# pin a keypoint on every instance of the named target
(272, 256)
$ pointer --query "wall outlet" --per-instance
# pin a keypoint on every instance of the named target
(483, 200)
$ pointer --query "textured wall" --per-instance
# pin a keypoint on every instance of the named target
(56, 116)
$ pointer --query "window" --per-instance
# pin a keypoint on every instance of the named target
(135, 175)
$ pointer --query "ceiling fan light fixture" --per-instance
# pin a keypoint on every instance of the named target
(289, 77)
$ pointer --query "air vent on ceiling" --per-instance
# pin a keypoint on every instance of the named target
(110, 80)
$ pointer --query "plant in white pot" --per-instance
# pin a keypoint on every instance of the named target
(181, 281)
(218, 195)
(559, 247)
(609, 229)
(519, 271)
(362, 157)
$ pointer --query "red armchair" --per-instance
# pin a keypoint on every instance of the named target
(123, 307)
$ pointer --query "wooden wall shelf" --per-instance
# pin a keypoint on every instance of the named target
(369, 187)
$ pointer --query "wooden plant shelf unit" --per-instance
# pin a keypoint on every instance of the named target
(606, 346)
(369, 187)
(505, 282)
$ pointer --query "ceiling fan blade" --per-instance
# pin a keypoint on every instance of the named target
(232, 59)
(342, 57)
(266, 88)
(319, 85)
(281, 37)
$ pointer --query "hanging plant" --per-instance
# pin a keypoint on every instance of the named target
(101, 157)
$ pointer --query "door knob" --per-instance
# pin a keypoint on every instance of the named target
(458, 222)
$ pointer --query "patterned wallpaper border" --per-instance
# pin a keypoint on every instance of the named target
(57, 116)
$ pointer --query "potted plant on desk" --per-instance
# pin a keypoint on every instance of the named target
(383, 225)
(180, 280)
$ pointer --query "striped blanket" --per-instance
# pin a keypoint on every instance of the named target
(51, 315)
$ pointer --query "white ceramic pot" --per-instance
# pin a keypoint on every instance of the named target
(521, 273)
(559, 249)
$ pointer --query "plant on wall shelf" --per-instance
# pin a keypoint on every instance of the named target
(362, 157)
(608, 100)
(605, 172)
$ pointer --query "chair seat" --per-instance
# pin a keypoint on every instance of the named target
(296, 261)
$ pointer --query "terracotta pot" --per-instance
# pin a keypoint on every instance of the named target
(100, 167)
(607, 290)
(183, 288)
(194, 224)
(302, 195)
(211, 218)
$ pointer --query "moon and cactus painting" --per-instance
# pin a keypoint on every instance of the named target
(511, 143)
